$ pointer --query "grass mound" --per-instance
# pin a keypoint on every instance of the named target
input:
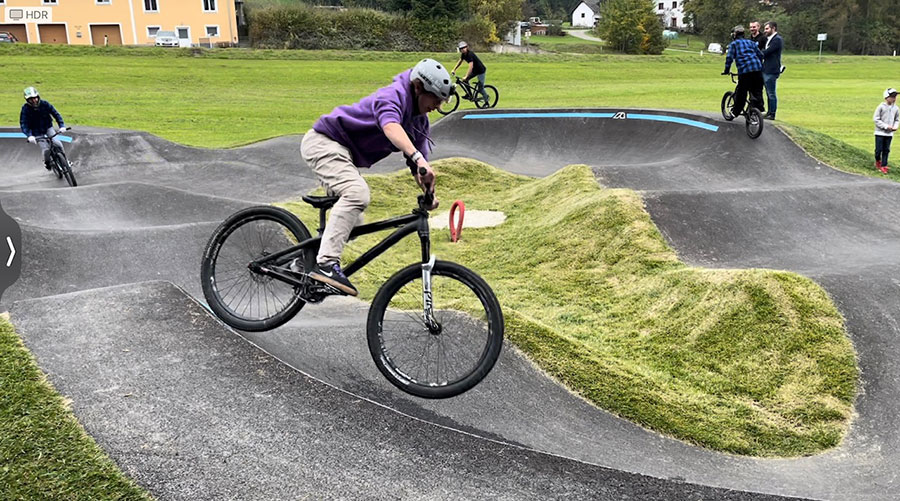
(44, 452)
(837, 153)
(751, 362)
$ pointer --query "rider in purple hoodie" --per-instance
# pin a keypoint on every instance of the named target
(393, 118)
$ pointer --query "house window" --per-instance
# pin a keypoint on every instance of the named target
(209, 5)
(674, 5)
(212, 31)
(152, 31)
(49, 2)
(661, 6)
(104, 2)
(582, 15)
(150, 6)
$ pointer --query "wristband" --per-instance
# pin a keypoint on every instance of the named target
(415, 157)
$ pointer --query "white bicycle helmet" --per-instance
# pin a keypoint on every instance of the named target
(434, 78)
(31, 92)
(462, 44)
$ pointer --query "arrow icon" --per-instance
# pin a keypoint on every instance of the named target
(12, 252)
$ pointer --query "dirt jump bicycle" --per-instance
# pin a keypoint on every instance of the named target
(470, 93)
(754, 119)
(434, 329)
(58, 161)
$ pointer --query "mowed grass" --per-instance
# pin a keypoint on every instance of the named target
(221, 98)
(750, 362)
(44, 451)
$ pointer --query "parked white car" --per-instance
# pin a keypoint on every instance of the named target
(166, 39)
(714, 48)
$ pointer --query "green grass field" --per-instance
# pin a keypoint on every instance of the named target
(232, 97)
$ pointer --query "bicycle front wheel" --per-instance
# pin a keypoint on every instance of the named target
(447, 357)
(451, 104)
(239, 296)
(754, 122)
(727, 106)
(65, 168)
(493, 96)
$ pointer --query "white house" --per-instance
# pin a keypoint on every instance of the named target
(585, 14)
(671, 12)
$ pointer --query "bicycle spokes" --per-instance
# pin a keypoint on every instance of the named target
(440, 342)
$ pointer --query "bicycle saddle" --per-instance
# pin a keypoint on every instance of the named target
(321, 202)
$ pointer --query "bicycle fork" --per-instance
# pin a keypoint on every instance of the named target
(428, 299)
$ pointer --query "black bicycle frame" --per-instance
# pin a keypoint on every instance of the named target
(470, 89)
(417, 221)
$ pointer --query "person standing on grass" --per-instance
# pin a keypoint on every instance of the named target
(887, 118)
(756, 35)
(393, 118)
(772, 66)
(748, 59)
(476, 68)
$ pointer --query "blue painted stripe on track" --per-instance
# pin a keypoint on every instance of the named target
(634, 116)
(677, 120)
(19, 135)
(486, 116)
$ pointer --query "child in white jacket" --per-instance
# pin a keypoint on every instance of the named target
(887, 118)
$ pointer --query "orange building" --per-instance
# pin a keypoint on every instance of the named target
(116, 22)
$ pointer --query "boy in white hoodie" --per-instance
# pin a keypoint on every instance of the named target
(887, 118)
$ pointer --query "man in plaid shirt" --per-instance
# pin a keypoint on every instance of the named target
(748, 59)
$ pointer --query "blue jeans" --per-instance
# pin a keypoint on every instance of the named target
(45, 145)
(769, 80)
(882, 148)
(481, 87)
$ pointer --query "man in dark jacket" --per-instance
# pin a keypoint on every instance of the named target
(772, 65)
(36, 119)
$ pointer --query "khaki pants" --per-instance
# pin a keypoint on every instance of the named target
(333, 165)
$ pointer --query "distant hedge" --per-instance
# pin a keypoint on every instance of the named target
(303, 27)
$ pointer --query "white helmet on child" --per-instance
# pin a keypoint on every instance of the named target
(434, 78)
(888, 92)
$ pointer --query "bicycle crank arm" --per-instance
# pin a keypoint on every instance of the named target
(276, 273)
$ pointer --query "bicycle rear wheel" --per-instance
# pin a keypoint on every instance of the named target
(451, 104)
(448, 358)
(65, 169)
(239, 296)
(754, 122)
(493, 96)
(727, 106)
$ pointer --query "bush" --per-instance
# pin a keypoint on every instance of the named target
(303, 27)
(555, 30)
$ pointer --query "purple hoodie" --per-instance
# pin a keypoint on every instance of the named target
(359, 126)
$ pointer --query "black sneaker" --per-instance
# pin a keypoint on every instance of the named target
(331, 274)
(47, 165)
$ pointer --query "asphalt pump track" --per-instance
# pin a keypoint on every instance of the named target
(109, 302)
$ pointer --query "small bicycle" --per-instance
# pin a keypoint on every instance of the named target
(754, 119)
(434, 329)
(470, 93)
(58, 161)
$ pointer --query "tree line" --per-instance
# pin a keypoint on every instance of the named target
(864, 27)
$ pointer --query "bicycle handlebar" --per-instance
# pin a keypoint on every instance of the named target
(45, 136)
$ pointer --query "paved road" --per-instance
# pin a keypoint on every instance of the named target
(584, 35)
